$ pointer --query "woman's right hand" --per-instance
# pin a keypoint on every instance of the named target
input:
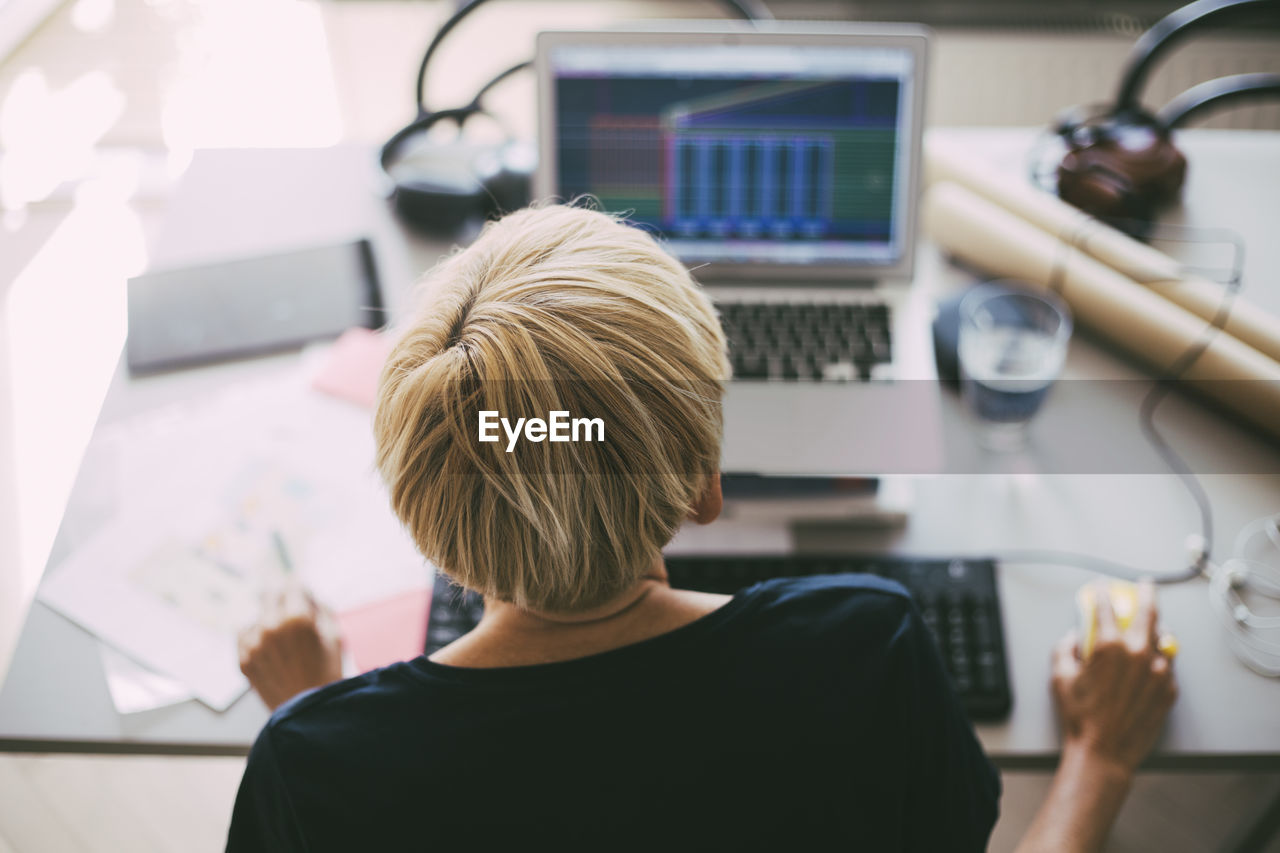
(1113, 704)
(295, 646)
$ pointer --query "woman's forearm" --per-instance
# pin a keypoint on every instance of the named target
(1082, 805)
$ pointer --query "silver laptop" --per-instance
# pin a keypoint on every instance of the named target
(781, 164)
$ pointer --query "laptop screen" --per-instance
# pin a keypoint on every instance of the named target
(743, 153)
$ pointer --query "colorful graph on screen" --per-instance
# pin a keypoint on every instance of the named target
(726, 159)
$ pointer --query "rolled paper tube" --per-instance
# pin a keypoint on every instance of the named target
(948, 161)
(1114, 306)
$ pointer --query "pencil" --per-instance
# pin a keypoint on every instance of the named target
(282, 552)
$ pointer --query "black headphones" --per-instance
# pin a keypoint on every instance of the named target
(448, 185)
(1121, 164)
(441, 187)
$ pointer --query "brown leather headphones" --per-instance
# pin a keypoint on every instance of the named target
(1121, 165)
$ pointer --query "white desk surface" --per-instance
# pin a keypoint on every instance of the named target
(233, 202)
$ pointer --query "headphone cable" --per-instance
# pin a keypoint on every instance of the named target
(1075, 240)
(747, 10)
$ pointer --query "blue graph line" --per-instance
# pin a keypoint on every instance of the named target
(774, 183)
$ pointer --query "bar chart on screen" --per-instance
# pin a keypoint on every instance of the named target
(747, 159)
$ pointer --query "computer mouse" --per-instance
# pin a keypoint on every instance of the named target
(1124, 604)
(946, 341)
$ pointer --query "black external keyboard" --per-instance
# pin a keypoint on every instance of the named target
(958, 599)
(806, 341)
(454, 611)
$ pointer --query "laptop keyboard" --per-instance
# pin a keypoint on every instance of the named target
(836, 342)
(958, 600)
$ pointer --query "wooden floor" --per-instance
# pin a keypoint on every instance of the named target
(1171, 813)
(79, 804)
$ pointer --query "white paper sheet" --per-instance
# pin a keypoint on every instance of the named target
(109, 586)
(218, 498)
(732, 537)
(134, 688)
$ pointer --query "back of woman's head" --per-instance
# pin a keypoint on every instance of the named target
(553, 309)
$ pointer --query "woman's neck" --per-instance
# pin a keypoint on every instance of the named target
(512, 636)
(614, 608)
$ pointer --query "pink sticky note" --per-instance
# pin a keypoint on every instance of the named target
(350, 370)
(386, 631)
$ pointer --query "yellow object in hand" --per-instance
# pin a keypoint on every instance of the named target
(1124, 604)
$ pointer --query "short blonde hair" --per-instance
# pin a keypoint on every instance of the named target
(553, 308)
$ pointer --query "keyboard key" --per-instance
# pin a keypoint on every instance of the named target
(839, 371)
(793, 342)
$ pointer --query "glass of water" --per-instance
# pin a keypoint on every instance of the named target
(1012, 345)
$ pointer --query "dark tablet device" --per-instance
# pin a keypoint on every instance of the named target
(250, 306)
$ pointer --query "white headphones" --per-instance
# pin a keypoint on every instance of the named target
(1255, 568)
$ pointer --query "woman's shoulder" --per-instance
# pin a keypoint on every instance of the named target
(837, 593)
(348, 696)
(828, 611)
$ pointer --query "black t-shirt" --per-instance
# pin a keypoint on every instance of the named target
(804, 714)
